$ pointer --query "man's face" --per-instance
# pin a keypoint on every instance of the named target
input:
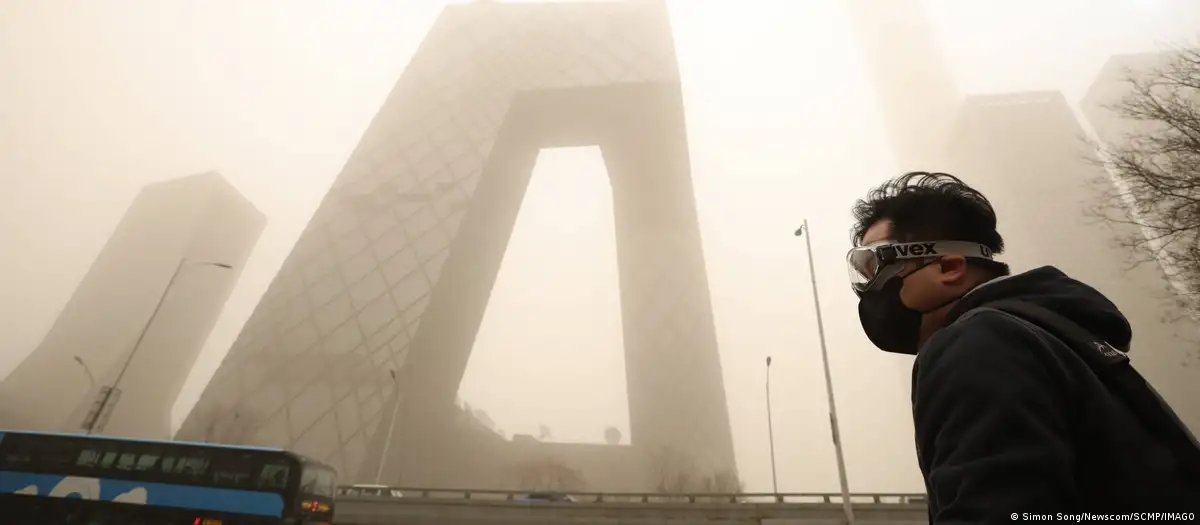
(925, 285)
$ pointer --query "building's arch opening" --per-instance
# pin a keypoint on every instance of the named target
(549, 357)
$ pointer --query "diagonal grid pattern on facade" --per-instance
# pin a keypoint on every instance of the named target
(318, 363)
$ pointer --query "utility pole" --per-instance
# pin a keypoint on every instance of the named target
(771, 431)
(387, 443)
(833, 421)
(97, 417)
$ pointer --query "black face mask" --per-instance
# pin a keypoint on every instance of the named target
(890, 324)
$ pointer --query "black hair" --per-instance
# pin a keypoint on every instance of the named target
(925, 206)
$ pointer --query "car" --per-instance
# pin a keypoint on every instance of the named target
(370, 491)
(549, 497)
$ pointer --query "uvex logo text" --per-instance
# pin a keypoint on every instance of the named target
(915, 249)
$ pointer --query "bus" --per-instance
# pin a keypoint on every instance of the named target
(71, 479)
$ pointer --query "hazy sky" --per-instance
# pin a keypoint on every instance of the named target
(101, 97)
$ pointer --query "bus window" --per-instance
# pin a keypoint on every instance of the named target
(146, 462)
(108, 460)
(193, 466)
(318, 481)
(328, 482)
(88, 458)
(308, 480)
(16, 454)
(273, 476)
(167, 464)
(234, 471)
(126, 461)
(56, 453)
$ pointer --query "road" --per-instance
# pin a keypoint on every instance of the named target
(494, 511)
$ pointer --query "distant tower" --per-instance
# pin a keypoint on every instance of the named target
(1109, 87)
(1025, 152)
(395, 270)
(196, 219)
(1174, 332)
(915, 87)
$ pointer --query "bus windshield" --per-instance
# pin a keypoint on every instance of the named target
(318, 484)
(318, 480)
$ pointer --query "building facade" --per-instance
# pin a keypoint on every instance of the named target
(918, 98)
(1109, 87)
(200, 230)
(356, 352)
(1110, 129)
(1026, 152)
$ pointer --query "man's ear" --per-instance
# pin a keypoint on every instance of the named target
(953, 269)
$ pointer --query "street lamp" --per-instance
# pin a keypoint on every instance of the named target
(109, 395)
(88, 371)
(833, 421)
(771, 430)
(387, 443)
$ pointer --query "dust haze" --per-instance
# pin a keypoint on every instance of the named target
(784, 123)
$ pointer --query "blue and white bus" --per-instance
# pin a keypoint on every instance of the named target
(66, 479)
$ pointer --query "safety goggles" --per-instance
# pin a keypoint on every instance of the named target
(873, 265)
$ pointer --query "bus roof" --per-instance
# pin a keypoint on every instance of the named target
(310, 461)
(113, 438)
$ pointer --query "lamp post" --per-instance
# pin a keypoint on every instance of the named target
(88, 371)
(387, 442)
(833, 421)
(110, 395)
(771, 430)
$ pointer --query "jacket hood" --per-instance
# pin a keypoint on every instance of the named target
(1050, 288)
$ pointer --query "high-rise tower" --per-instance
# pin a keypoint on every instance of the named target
(1170, 358)
(198, 228)
(1026, 153)
(915, 88)
(361, 341)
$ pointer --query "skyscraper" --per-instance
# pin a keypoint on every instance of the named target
(916, 90)
(1026, 153)
(198, 227)
(1111, 129)
(361, 341)
(1109, 87)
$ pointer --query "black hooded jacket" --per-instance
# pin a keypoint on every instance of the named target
(1010, 419)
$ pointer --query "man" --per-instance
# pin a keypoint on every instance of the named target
(1011, 417)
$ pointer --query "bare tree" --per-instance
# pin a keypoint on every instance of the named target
(544, 433)
(547, 475)
(723, 482)
(230, 427)
(673, 470)
(677, 473)
(1157, 168)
